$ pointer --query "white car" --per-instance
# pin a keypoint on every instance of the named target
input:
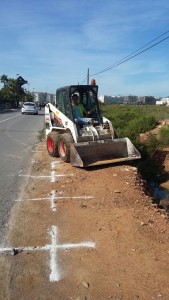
(29, 108)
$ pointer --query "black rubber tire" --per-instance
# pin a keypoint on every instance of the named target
(64, 146)
(52, 143)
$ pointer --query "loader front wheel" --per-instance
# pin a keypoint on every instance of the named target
(64, 146)
(52, 143)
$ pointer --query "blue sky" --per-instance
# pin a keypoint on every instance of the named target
(53, 43)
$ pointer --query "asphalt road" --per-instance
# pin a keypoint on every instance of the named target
(18, 135)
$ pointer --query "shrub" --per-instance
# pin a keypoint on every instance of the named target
(164, 136)
(131, 121)
(152, 144)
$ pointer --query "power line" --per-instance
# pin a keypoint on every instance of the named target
(132, 55)
(84, 80)
(124, 60)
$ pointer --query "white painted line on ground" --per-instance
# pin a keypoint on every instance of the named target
(53, 199)
(33, 199)
(56, 197)
(55, 274)
(12, 156)
(35, 176)
(9, 118)
(53, 206)
(53, 163)
(52, 177)
(75, 197)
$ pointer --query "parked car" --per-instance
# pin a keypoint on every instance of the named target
(29, 108)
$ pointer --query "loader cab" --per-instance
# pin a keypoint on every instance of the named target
(63, 102)
(88, 96)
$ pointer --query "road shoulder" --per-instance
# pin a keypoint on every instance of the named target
(112, 243)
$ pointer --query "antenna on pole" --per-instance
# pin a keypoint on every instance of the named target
(88, 76)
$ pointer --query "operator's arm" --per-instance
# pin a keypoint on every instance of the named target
(89, 111)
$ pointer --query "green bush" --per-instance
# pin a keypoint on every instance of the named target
(152, 145)
(130, 121)
(164, 136)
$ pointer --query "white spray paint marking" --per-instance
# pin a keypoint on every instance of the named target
(35, 176)
(75, 197)
(52, 177)
(53, 199)
(55, 274)
(53, 206)
(53, 163)
(33, 199)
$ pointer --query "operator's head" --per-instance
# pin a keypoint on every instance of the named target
(75, 98)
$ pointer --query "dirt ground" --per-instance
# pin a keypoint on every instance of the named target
(93, 234)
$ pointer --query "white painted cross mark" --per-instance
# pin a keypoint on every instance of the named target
(52, 177)
(53, 199)
(53, 163)
(55, 274)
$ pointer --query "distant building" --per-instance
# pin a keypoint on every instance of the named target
(150, 100)
(43, 98)
(111, 99)
(132, 100)
(163, 101)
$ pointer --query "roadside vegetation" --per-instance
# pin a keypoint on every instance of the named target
(13, 92)
(130, 121)
(41, 134)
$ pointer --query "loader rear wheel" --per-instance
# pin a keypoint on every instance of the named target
(52, 143)
(64, 146)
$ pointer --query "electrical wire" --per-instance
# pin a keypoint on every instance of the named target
(127, 59)
(132, 55)
(84, 80)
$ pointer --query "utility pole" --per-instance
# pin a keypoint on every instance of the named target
(88, 76)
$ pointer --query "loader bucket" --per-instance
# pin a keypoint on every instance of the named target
(88, 154)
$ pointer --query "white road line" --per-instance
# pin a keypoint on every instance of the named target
(9, 118)
(55, 274)
(12, 156)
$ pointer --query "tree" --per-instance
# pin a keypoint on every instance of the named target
(4, 79)
(12, 92)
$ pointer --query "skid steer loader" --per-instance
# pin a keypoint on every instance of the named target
(83, 145)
